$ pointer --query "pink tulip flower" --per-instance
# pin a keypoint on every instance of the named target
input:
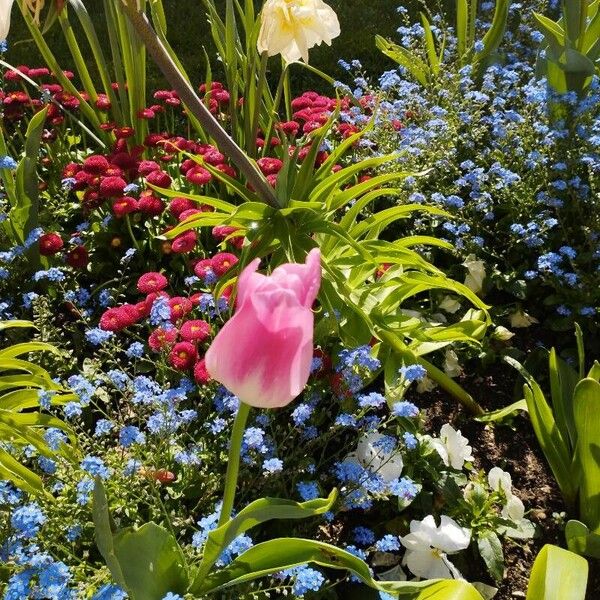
(264, 352)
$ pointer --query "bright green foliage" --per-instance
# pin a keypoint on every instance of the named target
(558, 574)
(148, 562)
(323, 209)
(425, 67)
(571, 45)
(20, 385)
(568, 430)
(22, 188)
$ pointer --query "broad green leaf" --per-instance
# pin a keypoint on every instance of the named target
(580, 540)
(151, 561)
(595, 371)
(586, 409)
(284, 553)
(259, 511)
(20, 475)
(26, 348)
(490, 548)
(432, 57)
(558, 574)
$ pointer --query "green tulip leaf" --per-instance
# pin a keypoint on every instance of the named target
(259, 511)
(558, 574)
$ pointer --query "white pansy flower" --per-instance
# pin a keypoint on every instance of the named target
(503, 334)
(501, 480)
(452, 367)
(292, 27)
(453, 447)
(520, 319)
(514, 509)
(450, 304)
(5, 8)
(373, 454)
(428, 545)
(475, 274)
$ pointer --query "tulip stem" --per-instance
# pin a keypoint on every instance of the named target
(233, 461)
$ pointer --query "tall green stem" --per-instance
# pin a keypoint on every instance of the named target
(195, 106)
(233, 461)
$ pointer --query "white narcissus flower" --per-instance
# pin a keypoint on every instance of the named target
(520, 319)
(428, 545)
(373, 454)
(452, 367)
(5, 8)
(475, 275)
(453, 447)
(292, 27)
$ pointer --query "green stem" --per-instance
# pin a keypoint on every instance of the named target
(434, 373)
(233, 461)
(195, 106)
(130, 231)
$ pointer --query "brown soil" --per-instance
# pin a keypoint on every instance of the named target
(514, 448)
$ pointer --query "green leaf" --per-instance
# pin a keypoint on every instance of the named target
(563, 380)
(15, 324)
(586, 408)
(259, 511)
(490, 548)
(104, 528)
(151, 561)
(432, 57)
(553, 32)
(492, 39)
(580, 540)
(595, 371)
(549, 437)
(24, 214)
(462, 27)
(580, 350)
(146, 562)
(558, 574)
(284, 553)
(501, 414)
(409, 60)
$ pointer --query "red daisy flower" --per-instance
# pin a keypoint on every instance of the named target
(195, 331)
(183, 356)
(152, 282)
(50, 243)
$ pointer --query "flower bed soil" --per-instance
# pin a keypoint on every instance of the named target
(512, 447)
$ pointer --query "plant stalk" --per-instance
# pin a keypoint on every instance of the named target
(233, 461)
(193, 104)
